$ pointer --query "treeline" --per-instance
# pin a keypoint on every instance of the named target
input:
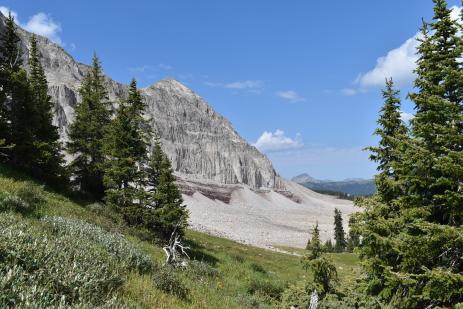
(409, 234)
(342, 242)
(411, 230)
(116, 157)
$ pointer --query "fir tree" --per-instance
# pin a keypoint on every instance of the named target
(125, 148)
(328, 246)
(339, 234)
(353, 240)
(87, 132)
(164, 201)
(392, 132)
(10, 63)
(48, 163)
(10, 50)
(23, 119)
(323, 270)
(315, 246)
(412, 246)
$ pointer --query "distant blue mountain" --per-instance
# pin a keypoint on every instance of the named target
(351, 187)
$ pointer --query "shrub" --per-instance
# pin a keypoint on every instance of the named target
(166, 280)
(237, 257)
(297, 295)
(116, 245)
(31, 194)
(257, 268)
(10, 202)
(38, 269)
(267, 288)
(201, 269)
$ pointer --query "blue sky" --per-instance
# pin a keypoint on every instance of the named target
(300, 79)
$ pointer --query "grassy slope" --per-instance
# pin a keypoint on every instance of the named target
(238, 264)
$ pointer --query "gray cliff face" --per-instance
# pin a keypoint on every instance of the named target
(201, 143)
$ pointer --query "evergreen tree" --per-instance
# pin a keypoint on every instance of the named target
(339, 234)
(164, 201)
(125, 148)
(353, 240)
(48, 163)
(392, 132)
(10, 50)
(315, 246)
(412, 246)
(87, 132)
(323, 270)
(328, 246)
(10, 63)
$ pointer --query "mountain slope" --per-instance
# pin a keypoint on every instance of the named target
(229, 187)
(353, 187)
(200, 142)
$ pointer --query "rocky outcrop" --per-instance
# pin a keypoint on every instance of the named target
(201, 143)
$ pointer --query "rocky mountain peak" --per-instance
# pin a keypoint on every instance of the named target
(201, 143)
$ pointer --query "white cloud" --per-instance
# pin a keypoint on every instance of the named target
(277, 141)
(141, 69)
(290, 95)
(399, 63)
(406, 117)
(5, 11)
(165, 67)
(253, 86)
(245, 84)
(40, 23)
(349, 91)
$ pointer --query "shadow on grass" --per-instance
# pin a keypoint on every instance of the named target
(197, 252)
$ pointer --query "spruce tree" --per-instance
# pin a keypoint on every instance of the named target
(48, 163)
(23, 121)
(164, 201)
(323, 270)
(315, 246)
(125, 148)
(328, 246)
(353, 240)
(10, 63)
(392, 132)
(412, 245)
(87, 132)
(339, 234)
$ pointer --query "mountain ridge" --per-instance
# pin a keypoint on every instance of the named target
(349, 186)
(201, 143)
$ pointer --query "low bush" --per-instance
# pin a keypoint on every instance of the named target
(202, 270)
(168, 281)
(26, 200)
(297, 295)
(266, 288)
(257, 268)
(38, 269)
(128, 256)
(11, 202)
(31, 194)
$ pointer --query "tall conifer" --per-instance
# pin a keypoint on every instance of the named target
(126, 148)
(339, 234)
(392, 133)
(48, 163)
(87, 132)
(10, 62)
(164, 201)
(412, 250)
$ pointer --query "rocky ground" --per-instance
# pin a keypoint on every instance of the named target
(267, 219)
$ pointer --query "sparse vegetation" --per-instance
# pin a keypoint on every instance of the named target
(121, 269)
